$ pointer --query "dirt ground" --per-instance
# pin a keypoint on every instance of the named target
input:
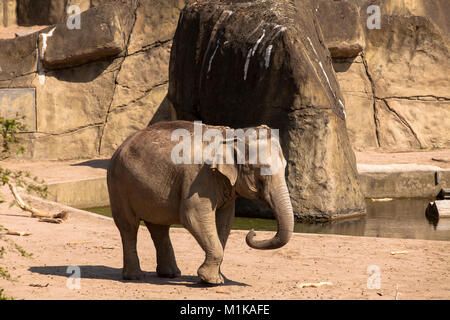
(93, 244)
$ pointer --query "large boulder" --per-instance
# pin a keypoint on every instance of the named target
(104, 32)
(341, 27)
(265, 62)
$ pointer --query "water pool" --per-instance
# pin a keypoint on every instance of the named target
(399, 218)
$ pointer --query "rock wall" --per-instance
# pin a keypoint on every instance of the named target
(393, 80)
(396, 88)
(94, 86)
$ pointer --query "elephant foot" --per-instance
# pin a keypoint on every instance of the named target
(211, 276)
(168, 272)
(133, 275)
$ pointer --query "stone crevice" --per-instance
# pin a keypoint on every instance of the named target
(149, 47)
(416, 98)
(91, 125)
(403, 121)
(372, 85)
(115, 80)
(144, 94)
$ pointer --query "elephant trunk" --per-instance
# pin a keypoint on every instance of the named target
(281, 205)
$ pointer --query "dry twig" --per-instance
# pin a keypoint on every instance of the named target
(398, 252)
(35, 213)
(17, 233)
(314, 285)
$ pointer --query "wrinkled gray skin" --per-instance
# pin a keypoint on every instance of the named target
(145, 184)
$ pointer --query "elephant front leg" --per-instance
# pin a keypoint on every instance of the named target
(202, 226)
(224, 221)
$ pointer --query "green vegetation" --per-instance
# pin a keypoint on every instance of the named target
(21, 250)
(10, 143)
(5, 274)
(4, 297)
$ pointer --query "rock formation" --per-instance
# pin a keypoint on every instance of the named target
(396, 89)
(264, 62)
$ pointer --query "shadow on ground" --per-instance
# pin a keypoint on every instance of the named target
(108, 273)
(97, 164)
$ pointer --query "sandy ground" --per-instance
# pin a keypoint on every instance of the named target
(93, 243)
(53, 171)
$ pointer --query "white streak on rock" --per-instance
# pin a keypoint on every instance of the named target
(256, 29)
(343, 108)
(45, 37)
(41, 72)
(328, 80)
(247, 62)
(228, 12)
(258, 42)
(279, 31)
(314, 49)
(267, 56)
(212, 57)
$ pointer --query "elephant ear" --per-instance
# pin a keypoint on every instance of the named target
(228, 170)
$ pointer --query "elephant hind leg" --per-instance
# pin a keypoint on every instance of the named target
(165, 257)
(203, 227)
(128, 226)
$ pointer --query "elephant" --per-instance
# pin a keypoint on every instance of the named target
(146, 184)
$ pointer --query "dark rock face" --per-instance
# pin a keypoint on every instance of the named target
(264, 62)
(49, 12)
(39, 12)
